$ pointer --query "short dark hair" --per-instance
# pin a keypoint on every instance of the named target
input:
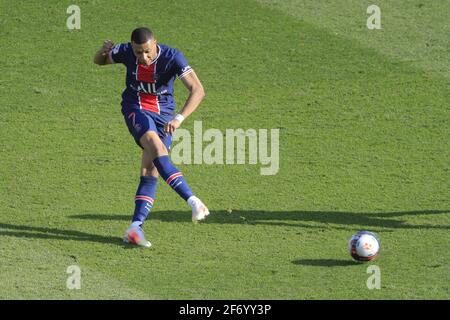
(141, 35)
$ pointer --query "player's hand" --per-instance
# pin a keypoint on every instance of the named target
(107, 46)
(171, 126)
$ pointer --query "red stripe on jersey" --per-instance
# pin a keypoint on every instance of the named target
(149, 102)
(146, 73)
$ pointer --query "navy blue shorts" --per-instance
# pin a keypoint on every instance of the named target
(140, 121)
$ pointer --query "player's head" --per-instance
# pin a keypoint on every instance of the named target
(144, 45)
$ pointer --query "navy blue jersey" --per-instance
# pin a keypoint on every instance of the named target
(150, 87)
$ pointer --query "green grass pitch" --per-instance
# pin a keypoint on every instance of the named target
(364, 120)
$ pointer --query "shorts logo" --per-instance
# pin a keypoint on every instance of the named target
(137, 127)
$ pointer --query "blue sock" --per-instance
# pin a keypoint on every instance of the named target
(145, 196)
(172, 176)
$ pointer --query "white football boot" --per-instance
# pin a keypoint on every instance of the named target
(199, 209)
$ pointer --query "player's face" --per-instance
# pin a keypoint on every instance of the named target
(145, 52)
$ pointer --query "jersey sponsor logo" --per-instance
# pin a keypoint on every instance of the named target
(146, 79)
(149, 88)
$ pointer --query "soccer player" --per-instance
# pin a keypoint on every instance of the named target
(148, 108)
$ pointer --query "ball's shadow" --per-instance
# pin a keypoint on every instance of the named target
(325, 262)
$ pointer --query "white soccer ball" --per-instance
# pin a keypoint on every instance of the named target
(364, 246)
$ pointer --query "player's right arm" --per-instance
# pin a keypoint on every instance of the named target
(102, 56)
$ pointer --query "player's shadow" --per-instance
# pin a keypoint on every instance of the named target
(34, 232)
(306, 219)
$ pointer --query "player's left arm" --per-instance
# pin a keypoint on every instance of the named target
(196, 95)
